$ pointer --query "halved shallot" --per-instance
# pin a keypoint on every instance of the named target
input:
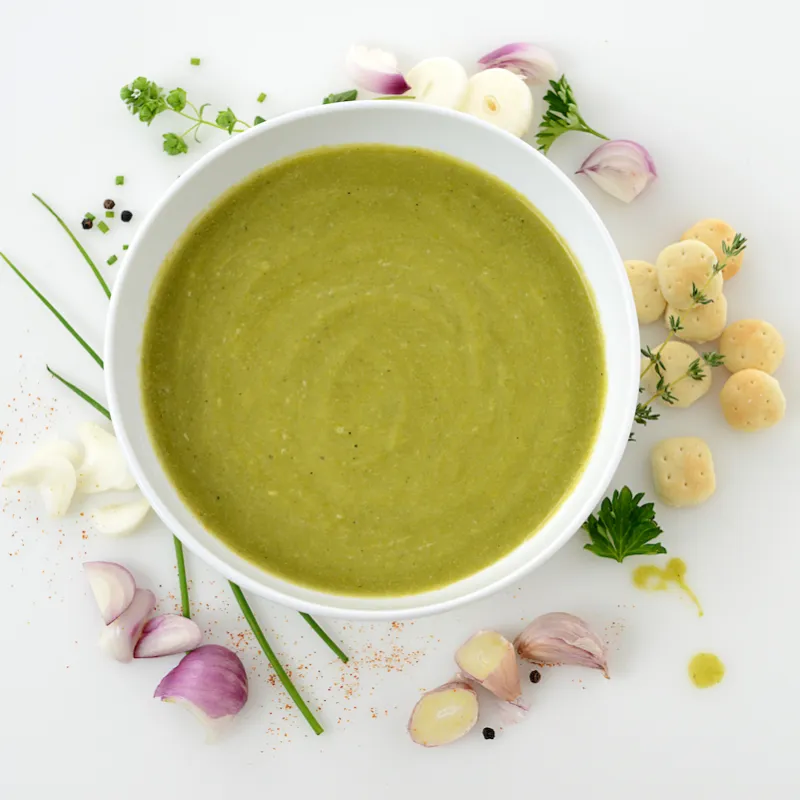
(621, 168)
(375, 70)
(119, 638)
(166, 635)
(534, 63)
(113, 587)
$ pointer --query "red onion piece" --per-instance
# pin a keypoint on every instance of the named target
(166, 635)
(622, 168)
(534, 63)
(120, 637)
(375, 70)
(113, 587)
(210, 681)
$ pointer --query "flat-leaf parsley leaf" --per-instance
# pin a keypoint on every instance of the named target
(623, 527)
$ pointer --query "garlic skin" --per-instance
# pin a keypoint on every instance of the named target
(561, 638)
(444, 714)
(489, 659)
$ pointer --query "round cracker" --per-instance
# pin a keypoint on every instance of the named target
(752, 400)
(683, 471)
(677, 357)
(752, 344)
(701, 323)
(650, 303)
(681, 266)
(714, 232)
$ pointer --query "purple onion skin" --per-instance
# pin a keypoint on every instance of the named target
(212, 678)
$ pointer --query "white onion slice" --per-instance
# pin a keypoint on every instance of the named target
(113, 587)
(502, 98)
(120, 519)
(167, 634)
(103, 467)
(438, 82)
(53, 474)
(375, 70)
(119, 638)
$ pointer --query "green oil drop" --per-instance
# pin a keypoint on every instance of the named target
(705, 670)
(652, 578)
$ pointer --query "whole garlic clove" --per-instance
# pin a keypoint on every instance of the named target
(444, 714)
(561, 638)
(489, 659)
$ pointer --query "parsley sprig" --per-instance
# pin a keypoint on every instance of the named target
(623, 526)
(146, 100)
(562, 115)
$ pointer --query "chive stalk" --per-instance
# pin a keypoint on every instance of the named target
(56, 313)
(324, 636)
(285, 680)
(185, 609)
(79, 245)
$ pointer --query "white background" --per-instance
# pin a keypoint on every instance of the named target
(709, 87)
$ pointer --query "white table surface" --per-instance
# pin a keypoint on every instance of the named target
(707, 86)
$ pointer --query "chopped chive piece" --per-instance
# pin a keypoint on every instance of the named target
(119, 180)
(109, 214)
(89, 215)
(262, 97)
(195, 62)
(111, 260)
(102, 226)
(124, 247)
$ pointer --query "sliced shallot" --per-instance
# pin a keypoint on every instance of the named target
(211, 682)
(621, 168)
(167, 634)
(375, 70)
(489, 659)
(113, 587)
(444, 715)
(119, 638)
(560, 638)
(120, 519)
(534, 63)
(103, 467)
(52, 473)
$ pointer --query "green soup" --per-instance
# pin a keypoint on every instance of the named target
(372, 370)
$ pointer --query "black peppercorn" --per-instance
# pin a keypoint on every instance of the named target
(86, 224)
(109, 204)
(126, 216)
(536, 676)
(488, 733)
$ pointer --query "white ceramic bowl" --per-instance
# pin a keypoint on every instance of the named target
(398, 123)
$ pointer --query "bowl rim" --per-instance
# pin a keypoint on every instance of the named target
(331, 609)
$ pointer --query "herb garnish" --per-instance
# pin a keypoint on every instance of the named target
(146, 100)
(341, 97)
(562, 115)
(623, 527)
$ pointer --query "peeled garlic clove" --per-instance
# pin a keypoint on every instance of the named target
(103, 467)
(489, 659)
(120, 519)
(62, 448)
(560, 638)
(502, 98)
(119, 638)
(444, 715)
(53, 475)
